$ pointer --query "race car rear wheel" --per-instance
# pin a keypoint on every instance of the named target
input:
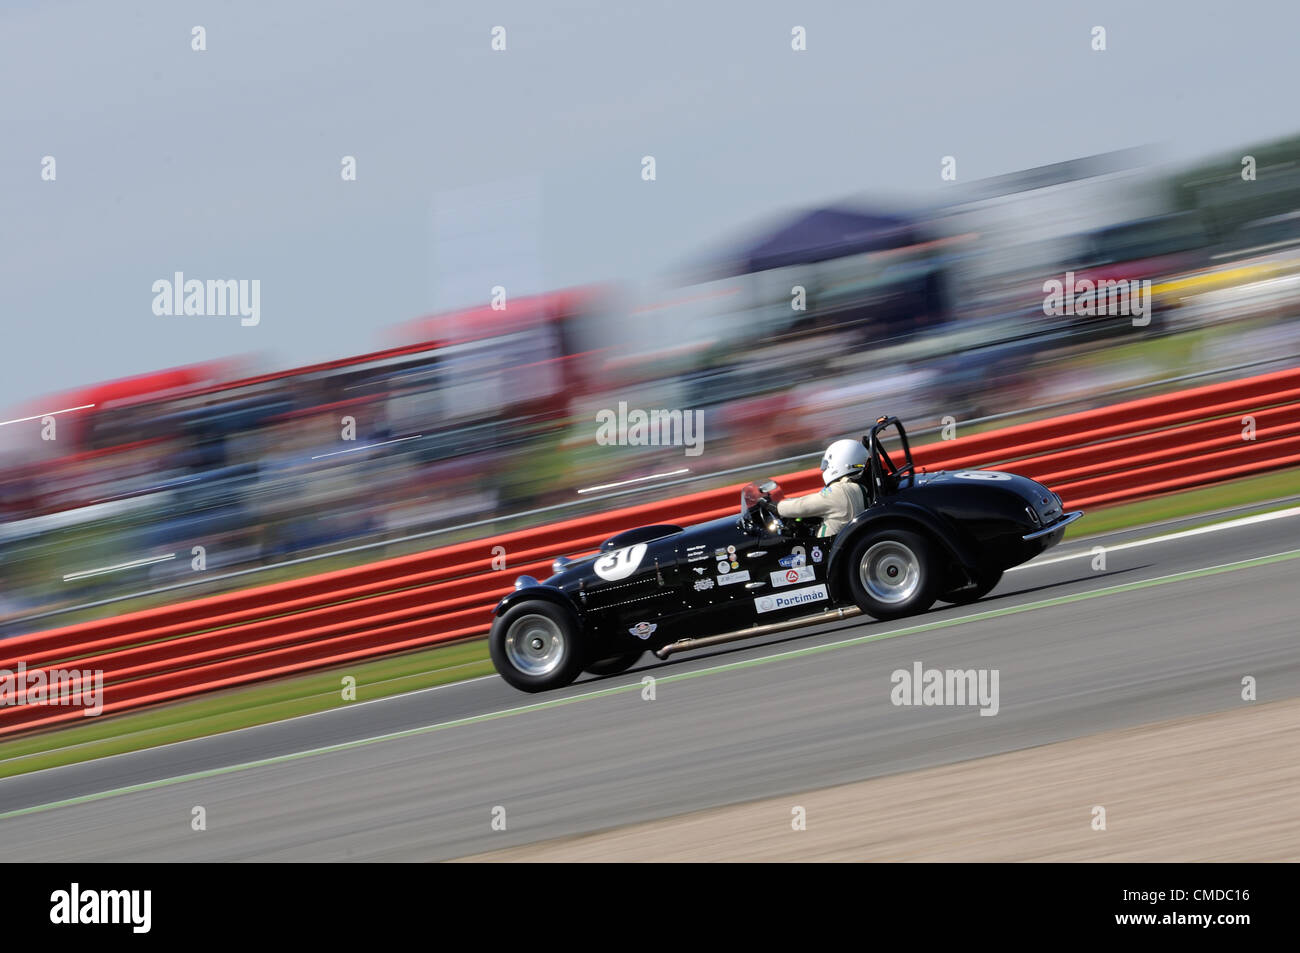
(892, 573)
(535, 646)
(614, 664)
(985, 580)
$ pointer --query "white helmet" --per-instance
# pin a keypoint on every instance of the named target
(842, 458)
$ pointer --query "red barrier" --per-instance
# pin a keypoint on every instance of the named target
(1122, 452)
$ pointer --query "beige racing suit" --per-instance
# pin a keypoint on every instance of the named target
(836, 504)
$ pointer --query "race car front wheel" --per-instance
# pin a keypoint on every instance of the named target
(892, 573)
(534, 646)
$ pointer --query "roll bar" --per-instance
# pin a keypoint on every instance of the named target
(881, 465)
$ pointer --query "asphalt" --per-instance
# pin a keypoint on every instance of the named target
(1166, 629)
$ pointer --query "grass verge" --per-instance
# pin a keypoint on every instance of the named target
(1264, 489)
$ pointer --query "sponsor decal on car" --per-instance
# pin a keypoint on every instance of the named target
(794, 559)
(619, 564)
(729, 578)
(720, 554)
(643, 630)
(696, 553)
(702, 584)
(788, 577)
(787, 600)
(723, 567)
(735, 565)
(816, 554)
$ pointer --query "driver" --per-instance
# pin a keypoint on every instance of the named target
(842, 498)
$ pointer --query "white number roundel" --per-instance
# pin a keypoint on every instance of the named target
(981, 475)
(621, 563)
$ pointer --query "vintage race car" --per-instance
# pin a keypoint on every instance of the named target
(923, 537)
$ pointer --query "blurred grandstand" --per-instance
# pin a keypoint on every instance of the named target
(477, 421)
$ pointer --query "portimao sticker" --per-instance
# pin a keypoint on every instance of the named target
(786, 600)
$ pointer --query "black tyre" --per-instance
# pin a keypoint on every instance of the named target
(614, 664)
(985, 580)
(893, 573)
(536, 646)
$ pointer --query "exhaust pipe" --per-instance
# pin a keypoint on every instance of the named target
(689, 645)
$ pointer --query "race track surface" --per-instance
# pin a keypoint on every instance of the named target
(1168, 628)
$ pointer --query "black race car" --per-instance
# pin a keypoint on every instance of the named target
(922, 537)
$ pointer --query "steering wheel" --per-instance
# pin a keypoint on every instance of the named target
(772, 521)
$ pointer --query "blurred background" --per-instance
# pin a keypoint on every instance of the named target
(470, 422)
(384, 405)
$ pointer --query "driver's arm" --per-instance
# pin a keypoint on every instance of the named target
(813, 504)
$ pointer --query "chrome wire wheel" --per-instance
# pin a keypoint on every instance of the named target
(890, 572)
(535, 645)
